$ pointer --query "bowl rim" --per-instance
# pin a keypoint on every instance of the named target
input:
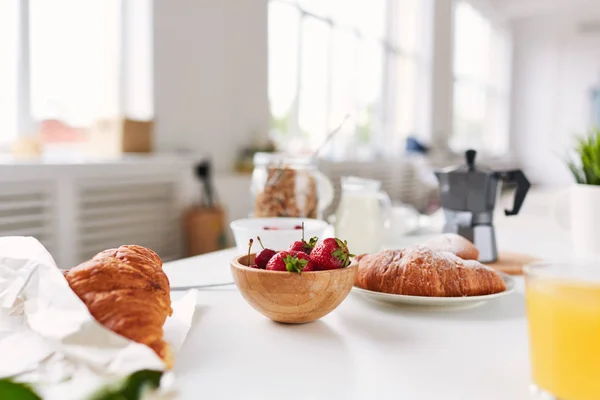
(235, 262)
(236, 224)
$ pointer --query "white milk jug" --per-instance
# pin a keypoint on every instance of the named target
(363, 215)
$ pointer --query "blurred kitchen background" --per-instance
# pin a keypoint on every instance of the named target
(112, 112)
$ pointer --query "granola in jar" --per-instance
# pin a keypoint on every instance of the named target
(287, 187)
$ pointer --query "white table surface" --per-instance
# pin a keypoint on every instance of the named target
(362, 350)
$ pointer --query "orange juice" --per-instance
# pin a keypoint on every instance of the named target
(564, 331)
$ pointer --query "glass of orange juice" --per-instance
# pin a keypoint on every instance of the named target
(563, 312)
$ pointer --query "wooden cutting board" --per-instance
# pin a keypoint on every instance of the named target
(512, 263)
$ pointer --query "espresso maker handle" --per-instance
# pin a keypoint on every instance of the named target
(517, 177)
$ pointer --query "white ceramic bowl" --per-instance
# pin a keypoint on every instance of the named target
(279, 239)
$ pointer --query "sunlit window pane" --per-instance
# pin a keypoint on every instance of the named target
(313, 107)
(75, 59)
(283, 63)
(496, 125)
(407, 97)
(344, 12)
(471, 43)
(370, 85)
(469, 116)
(344, 89)
(321, 8)
(500, 59)
(9, 28)
(371, 17)
(408, 30)
(403, 118)
(344, 69)
(138, 37)
(482, 81)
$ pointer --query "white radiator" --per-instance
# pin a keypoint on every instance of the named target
(137, 211)
(28, 209)
(77, 210)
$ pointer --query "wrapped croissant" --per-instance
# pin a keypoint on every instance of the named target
(126, 290)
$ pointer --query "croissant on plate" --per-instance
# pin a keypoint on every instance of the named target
(421, 271)
(453, 243)
(126, 290)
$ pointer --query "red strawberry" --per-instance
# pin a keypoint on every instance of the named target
(263, 257)
(302, 245)
(331, 253)
(292, 261)
(310, 267)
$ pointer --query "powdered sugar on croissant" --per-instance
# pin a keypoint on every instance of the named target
(455, 244)
(421, 271)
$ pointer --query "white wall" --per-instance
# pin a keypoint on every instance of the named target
(554, 68)
(210, 76)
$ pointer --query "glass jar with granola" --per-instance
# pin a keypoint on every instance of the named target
(285, 186)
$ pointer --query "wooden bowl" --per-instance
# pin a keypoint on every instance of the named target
(290, 297)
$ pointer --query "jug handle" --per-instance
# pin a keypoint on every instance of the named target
(325, 190)
(387, 208)
(523, 185)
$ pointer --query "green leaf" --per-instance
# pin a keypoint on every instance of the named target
(294, 264)
(586, 169)
(577, 174)
(311, 243)
(132, 388)
(16, 391)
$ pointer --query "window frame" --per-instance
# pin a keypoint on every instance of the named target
(501, 93)
(392, 54)
(25, 121)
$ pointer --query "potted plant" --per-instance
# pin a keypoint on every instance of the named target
(586, 170)
(585, 195)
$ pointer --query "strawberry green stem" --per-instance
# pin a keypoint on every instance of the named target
(294, 264)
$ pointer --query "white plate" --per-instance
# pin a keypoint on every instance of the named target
(435, 303)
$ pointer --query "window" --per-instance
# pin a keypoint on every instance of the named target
(482, 81)
(74, 59)
(9, 80)
(330, 58)
(73, 62)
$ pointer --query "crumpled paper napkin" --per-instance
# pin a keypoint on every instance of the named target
(48, 337)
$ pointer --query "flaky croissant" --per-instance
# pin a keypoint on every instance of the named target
(453, 243)
(420, 271)
(126, 290)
